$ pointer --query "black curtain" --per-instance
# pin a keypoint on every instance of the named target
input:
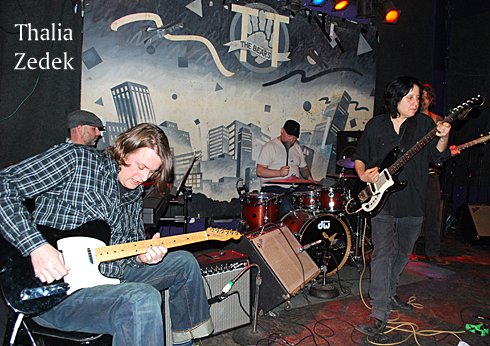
(469, 75)
(34, 102)
(405, 47)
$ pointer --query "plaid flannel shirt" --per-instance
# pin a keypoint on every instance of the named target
(73, 185)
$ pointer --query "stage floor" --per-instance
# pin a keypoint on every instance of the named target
(446, 296)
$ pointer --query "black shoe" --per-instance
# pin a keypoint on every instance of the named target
(372, 327)
(399, 305)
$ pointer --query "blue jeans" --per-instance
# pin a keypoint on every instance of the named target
(132, 311)
(393, 241)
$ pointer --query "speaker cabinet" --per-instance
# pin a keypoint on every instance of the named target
(218, 269)
(474, 223)
(284, 271)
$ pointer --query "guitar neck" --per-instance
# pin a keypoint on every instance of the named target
(458, 112)
(472, 143)
(398, 164)
(115, 252)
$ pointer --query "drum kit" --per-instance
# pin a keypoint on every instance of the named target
(317, 218)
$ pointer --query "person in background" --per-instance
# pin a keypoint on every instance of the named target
(432, 220)
(85, 128)
(397, 225)
(75, 184)
(272, 165)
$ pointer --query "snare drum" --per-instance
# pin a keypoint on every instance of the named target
(310, 227)
(306, 200)
(333, 200)
(266, 211)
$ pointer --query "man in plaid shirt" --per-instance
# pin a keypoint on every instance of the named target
(74, 184)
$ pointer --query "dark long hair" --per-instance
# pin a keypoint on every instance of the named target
(395, 91)
(145, 136)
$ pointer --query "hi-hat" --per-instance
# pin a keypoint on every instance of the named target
(341, 175)
(293, 180)
(346, 163)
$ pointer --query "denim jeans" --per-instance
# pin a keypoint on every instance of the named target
(393, 241)
(132, 311)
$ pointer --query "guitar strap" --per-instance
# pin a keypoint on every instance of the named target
(408, 133)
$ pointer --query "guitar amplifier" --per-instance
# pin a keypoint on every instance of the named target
(284, 271)
(218, 269)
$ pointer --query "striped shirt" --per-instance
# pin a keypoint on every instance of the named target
(73, 184)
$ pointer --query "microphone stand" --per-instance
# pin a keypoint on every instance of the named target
(250, 336)
(324, 290)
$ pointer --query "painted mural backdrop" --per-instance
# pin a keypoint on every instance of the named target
(221, 78)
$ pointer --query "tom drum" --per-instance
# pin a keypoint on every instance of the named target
(260, 208)
(333, 200)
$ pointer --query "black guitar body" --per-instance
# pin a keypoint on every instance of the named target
(17, 274)
(373, 196)
(360, 185)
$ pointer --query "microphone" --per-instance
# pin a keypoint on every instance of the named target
(287, 145)
(300, 249)
(243, 189)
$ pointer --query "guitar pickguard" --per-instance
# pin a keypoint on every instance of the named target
(371, 196)
(79, 256)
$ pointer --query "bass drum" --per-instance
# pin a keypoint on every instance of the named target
(310, 227)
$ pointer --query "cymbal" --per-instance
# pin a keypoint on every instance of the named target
(346, 163)
(340, 175)
(293, 180)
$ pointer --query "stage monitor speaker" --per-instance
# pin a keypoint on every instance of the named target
(218, 269)
(346, 147)
(474, 223)
(284, 270)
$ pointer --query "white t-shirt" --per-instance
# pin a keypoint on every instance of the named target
(273, 155)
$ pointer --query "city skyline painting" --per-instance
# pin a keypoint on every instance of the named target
(222, 87)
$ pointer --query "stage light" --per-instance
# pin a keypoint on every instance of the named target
(388, 11)
(339, 5)
(294, 5)
(317, 3)
(364, 9)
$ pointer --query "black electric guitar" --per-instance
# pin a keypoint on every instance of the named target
(369, 198)
(83, 249)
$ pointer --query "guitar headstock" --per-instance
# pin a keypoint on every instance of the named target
(222, 234)
(462, 110)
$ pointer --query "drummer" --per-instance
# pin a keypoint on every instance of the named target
(280, 158)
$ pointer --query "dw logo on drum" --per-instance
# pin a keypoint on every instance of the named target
(324, 224)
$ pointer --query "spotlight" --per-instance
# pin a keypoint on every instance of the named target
(317, 3)
(294, 5)
(339, 5)
(389, 12)
(364, 9)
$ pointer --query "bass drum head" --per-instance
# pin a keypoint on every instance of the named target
(335, 248)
